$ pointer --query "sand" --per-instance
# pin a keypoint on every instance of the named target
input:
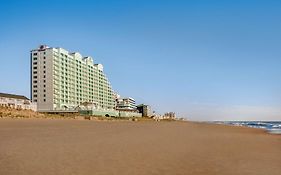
(55, 147)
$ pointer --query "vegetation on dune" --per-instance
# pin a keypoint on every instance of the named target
(6, 112)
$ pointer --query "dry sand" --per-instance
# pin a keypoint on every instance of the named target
(55, 147)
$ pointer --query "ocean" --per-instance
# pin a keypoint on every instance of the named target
(272, 127)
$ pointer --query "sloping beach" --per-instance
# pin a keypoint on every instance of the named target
(63, 147)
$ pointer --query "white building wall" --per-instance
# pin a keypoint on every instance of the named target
(42, 78)
(18, 103)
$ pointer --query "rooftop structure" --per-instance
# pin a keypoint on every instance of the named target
(13, 96)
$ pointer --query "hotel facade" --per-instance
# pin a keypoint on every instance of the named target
(61, 80)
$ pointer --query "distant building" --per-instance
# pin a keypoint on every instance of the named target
(145, 110)
(16, 102)
(126, 104)
(169, 115)
(61, 80)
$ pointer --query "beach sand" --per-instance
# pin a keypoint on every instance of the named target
(55, 147)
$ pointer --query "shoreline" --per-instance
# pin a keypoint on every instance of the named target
(103, 119)
(263, 125)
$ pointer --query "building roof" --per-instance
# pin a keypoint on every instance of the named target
(13, 96)
(142, 105)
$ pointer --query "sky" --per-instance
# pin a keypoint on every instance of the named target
(203, 59)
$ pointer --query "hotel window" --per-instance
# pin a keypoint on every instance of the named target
(35, 100)
(34, 81)
(35, 58)
(44, 58)
(35, 96)
(44, 67)
(44, 53)
(35, 72)
(44, 71)
(35, 86)
(35, 91)
(44, 81)
(44, 76)
(35, 68)
(35, 63)
(44, 100)
(44, 95)
(44, 62)
(34, 53)
(34, 76)
(44, 85)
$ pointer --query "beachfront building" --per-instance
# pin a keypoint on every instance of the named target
(62, 80)
(126, 104)
(126, 107)
(145, 110)
(16, 102)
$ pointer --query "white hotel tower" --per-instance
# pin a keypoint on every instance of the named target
(64, 81)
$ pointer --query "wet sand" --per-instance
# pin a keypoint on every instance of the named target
(55, 147)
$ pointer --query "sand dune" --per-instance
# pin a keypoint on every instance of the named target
(47, 147)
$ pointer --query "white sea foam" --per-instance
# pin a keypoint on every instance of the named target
(274, 131)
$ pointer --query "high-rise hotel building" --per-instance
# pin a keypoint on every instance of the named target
(61, 80)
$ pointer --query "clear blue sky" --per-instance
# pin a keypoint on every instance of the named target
(206, 60)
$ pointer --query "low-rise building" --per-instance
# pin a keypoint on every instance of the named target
(126, 104)
(16, 102)
(145, 110)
